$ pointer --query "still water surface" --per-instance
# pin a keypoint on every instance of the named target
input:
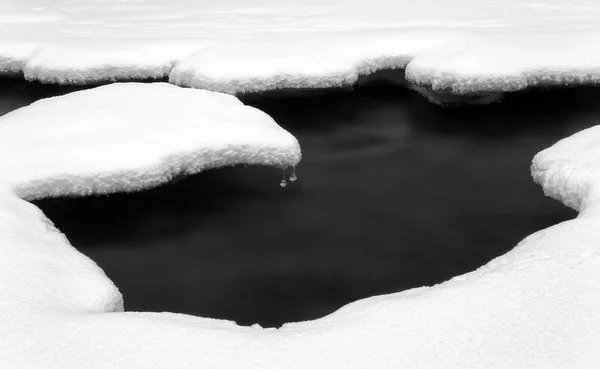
(393, 193)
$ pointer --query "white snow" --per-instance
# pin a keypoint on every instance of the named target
(124, 137)
(534, 307)
(537, 306)
(569, 170)
(458, 46)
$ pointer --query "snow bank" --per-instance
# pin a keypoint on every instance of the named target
(534, 307)
(466, 47)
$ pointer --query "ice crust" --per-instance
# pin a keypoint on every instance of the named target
(534, 307)
(466, 47)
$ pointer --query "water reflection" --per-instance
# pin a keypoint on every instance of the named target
(393, 193)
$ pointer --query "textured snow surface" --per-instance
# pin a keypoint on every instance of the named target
(123, 137)
(234, 46)
(537, 306)
(569, 171)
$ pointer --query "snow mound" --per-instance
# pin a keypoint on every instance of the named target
(125, 137)
(467, 47)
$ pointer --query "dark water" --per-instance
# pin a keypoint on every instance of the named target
(393, 193)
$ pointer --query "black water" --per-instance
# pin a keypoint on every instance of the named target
(393, 193)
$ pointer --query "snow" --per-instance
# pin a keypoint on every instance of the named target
(466, 47)
(535, 307)
(125, 137)
(568, 171)
(120, 137)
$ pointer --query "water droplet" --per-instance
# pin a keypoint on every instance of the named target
(293, 176)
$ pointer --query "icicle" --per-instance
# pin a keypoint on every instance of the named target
(293, 176)
(283, 181)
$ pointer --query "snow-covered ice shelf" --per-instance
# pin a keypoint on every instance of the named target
(124, 137)
(465, 47)
(537, 306)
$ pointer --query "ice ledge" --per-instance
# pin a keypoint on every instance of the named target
(455, 68)
(126, 137)
(470, 48)
(449, 68)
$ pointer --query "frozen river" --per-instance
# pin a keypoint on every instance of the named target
(393, 193)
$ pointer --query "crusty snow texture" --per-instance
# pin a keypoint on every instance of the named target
(534, 307)
(234, 46)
